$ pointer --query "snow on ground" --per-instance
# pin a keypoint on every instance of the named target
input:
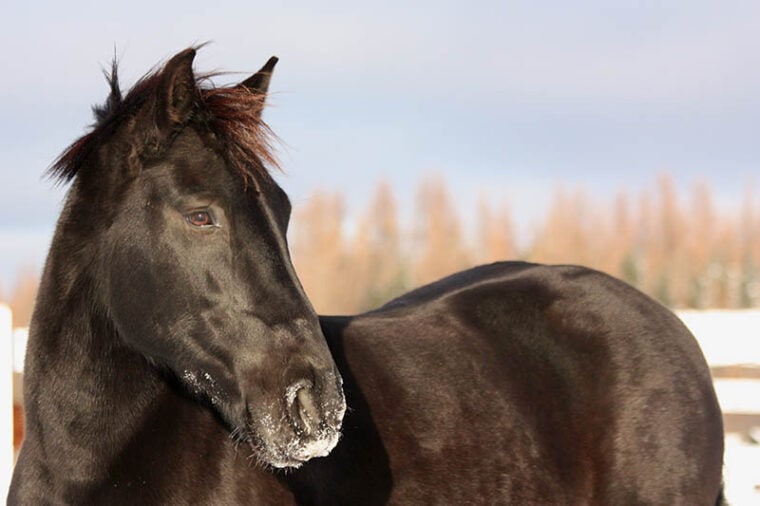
(732, 338)
(741, 471)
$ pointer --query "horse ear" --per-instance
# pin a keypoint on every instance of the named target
(259, 82)
(176, 92)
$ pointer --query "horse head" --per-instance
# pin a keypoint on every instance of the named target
(191, 258)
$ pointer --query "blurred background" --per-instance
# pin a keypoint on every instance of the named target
(419, 139)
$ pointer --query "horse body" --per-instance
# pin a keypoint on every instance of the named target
(174, 358)
(515, 383)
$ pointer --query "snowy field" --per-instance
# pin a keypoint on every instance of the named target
(730, 338)
(742, 471)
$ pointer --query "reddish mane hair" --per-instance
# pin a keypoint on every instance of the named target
(233, 113)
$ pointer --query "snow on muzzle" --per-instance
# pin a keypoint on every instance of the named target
(307, 427)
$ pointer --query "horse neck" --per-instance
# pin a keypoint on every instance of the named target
(99, 414)
(85, 391)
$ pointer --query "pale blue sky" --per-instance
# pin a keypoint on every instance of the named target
(511, 97)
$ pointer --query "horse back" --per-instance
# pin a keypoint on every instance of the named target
(523, 383)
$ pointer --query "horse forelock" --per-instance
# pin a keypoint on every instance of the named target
(232, 113)
(235, 117)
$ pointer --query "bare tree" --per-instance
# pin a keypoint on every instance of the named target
(318, 251)
(378, 260)
(441, 248)
(693, 257)
(495, 239)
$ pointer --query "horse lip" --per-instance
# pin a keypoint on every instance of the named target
(306, 450)
(319, 447)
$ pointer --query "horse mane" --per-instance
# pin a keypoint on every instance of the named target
(233, 113)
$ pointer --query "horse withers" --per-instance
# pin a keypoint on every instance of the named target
(173, 357)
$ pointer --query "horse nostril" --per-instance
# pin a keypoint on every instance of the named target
(303, 408)
(307, 410)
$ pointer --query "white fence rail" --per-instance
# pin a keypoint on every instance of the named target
(727, 337)
(732, 338)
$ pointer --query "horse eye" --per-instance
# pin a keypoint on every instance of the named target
(200, 219)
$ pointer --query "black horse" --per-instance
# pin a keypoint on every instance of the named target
(174, 358)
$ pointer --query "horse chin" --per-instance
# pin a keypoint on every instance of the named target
(295, 449)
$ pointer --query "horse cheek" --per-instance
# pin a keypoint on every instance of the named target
(135, 287)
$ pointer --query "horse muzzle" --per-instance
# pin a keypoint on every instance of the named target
(309, 427)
